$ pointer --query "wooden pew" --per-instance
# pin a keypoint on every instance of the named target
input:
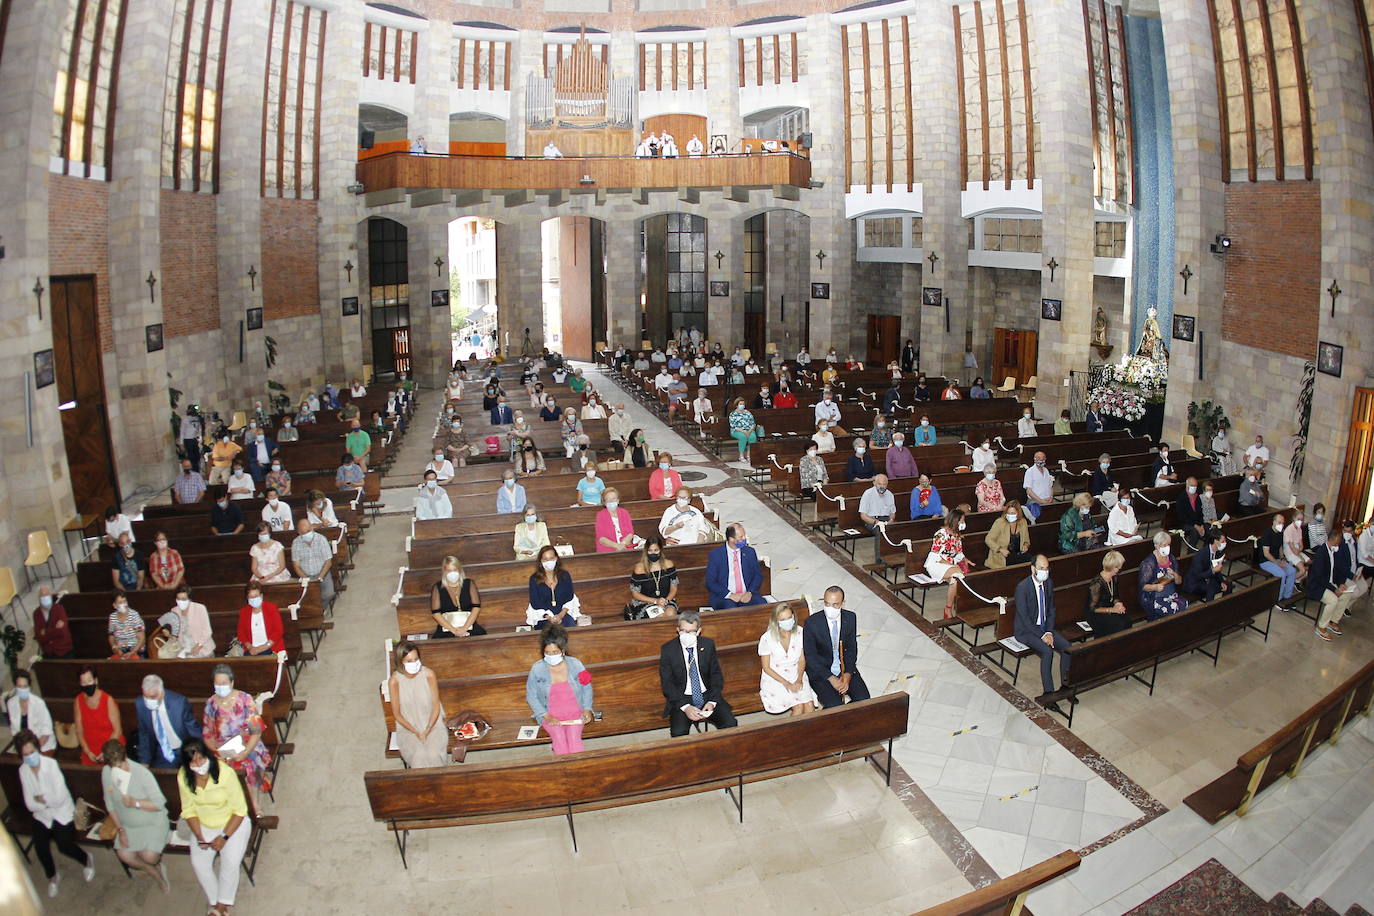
(193, 545)
(508, 573)
(1284, 752)
(90, 635)
(303, 603)
(1006, 897)
(555, 516)
(543, 786)
(84, 782)
(229, 568)
(559, 488)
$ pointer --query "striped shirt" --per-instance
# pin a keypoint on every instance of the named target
(189, 487)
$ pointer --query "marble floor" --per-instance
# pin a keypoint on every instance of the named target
(986, 786)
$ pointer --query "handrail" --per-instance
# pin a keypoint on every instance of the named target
(1268, 746)
(1009, 894)
(630, 156)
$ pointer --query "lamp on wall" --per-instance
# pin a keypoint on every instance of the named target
(1221, 245)
(356, 187)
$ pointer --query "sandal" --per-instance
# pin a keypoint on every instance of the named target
(948, 608)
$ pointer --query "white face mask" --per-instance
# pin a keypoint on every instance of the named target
(509, 483)
(962, 526)
(431, 484)
(183, 603)
(223, 690)
(683, 502)
(859, 449)
(438, 459)
(152, 702)
(1125, 504)
(990, 475)
(1278, 526)
(413, 667)
(200, 769)
(1163, 551)
(1192, 490)
(1041, 575)
(549, 564)
(553, 659)
(882, 424)
(1011, 517)
(613, 504)
(787, 624)
(531, 519)
(925, 422)
(453, 576)
(264, 537)
(591, 472)
(161, 545)
(688, 640)
(1105, 465)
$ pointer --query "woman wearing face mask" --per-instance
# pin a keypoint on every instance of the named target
(421, 735)
(194, 634)
(983, 457)
(552, 599)
(653, 582)
(574, 437)
(1121, 523)
(128, 569)
(454, 443)
(590, 488)
(441, 466)
(924, 434)
(138, 811)
(614, 528)
(530, 535)
(127, 634)
(550, 412)
(1025, 427)
(490, 396)
(638, 453)
(278, 478)
(593, 409)
(945, 562)
(743, 429)
(783, 686)
(51, 629)
(882, 432)
(812, 468)
(559, 692)
(260, 627)
(455, 603)
(240, 484)
(27, 710)
(320, 510)
(1316, 527)
(664, 481)
(1075, 527)
(268, 558)
(1162, 471)
(1105, 612)
(1062, 427)
(96, 716)
(1209, 505)
(232, 713)
(978, 390)
(165, 567)
(989, 492)
(304, 415)
(1159, 580)
(682, 522)
(824, 438)
(1008, 540)
(50, 803)
(215, 809)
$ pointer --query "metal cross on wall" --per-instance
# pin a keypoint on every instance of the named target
(348, 269)
(1187, 274)
(820, 259)
(719, 256)
(253, 276)
(152, 282)
(38, 294)
(1053, 265)
(1333, 291)
(438, 266)
(932, 258)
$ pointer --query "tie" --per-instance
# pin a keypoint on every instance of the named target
(737, 573)
(167, 752)
(835, 648)
(694, 678)
(1040, 594)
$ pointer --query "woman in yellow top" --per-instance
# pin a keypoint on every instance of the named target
(216, 811)
(830, 375)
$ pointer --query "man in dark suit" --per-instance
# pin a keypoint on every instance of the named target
(1328, 581)
(165, 720)
(260, 450)
(1035, 625)
(1188, 514)
(501, 414)
(1204, 577)
(1093, 419)
(733, 576)
(830, 642)
(690, 677)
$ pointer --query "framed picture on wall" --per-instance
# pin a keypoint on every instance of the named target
(1051, 309)
(932, 295)
(254, 319)
(1185, 327)
(720, 287)
(438, 298)
(350, 305)
(1330, 358)
(820, 290)
(152, 337)
(44, 369)
(717, 145)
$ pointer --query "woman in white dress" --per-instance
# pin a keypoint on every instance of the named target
(268, 558)
(782, 685)
(1121, 523)
(984, 457)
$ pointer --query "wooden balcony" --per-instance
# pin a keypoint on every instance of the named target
(429, 179)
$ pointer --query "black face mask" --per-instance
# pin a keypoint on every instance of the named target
(88, 689)
(654, 557)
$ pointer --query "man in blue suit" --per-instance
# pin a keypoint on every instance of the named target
(830, 642)
(1204, 577)
(165, 720)
(1035, 625)
(1093, 418)
(1329, 581)
(260, 450)
(501, 414)
(733, 576)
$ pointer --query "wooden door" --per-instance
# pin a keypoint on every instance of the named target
(755, 334)
(81, 393)
(1352, 500)
(1015, 354)
(383, 351)
(883, 343)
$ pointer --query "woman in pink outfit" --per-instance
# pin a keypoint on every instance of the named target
(559, 691)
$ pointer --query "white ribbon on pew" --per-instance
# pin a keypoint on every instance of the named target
(262, 699)
(1000, 444)
(1000, 601)
(294, 608)
(401, 574)
(786, 468)
(1162, 504)
(882, 528)
(408, 545)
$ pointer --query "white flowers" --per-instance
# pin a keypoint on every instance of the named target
(1115, 401)
(1149, 375)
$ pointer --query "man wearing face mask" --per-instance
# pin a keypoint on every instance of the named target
(225, 517)
(1038, 483)
(733, 576)
(510, 498)
(691, 679)
(899, 461)
(130, 569)
(683, 523)
(222, 458)
(1035, 625)
(1093, 418)
(785, 398)
(1205, 577)
(877, 507)
(1187, 510)
(260, 451)
(50, 627)
(432, 500)
(189, 486)
(240, 485)
(276, 513)
(312, 557)
(619, 426)
(1257, 455)
(260, 629)
(826, 409)
(349, 475)
(830, 642)
(664, 481)
(1252, 498)
(165, 720)
(860, 464)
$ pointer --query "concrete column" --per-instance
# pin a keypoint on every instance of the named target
(622, 283)
(528, 57)
(722, 87)
(430, 119)
(431, 346)
(1064, 166)
(833, 322)
(519, 277)
(136, 380)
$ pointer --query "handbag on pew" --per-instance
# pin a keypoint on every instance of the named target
(467, 725)
(164, 646)
(636, 610)
(65, 733)
(86, 815)
(235, 649)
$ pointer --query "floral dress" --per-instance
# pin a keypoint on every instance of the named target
(271, 557)
(946, 550)
(813, 472)
(571, 429)
(242, 719)
(881, 438)
(743, 427)
(989, 493)
(1162, 603)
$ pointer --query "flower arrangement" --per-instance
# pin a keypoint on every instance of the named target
(1116, 401)
(1149, 375)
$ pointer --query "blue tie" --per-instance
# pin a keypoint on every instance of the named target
(835, 648)
(694, 678)
(167, 752)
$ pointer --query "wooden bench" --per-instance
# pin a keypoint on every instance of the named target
(84, 783)
(228, 568)
(1006, 897)
(90, 635)
(203, 543)
(479, 793)
(1283, 752)
(561, 517)
(507, 573)
(544, 487)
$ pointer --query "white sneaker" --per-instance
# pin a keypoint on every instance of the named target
(52, 885)
(89, 871)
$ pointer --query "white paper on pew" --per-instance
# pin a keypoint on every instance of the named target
(1085, 626)
(1012, 643)
(853, 531)
(923, 579)
(770, 599)
(417, 636)
(528, 732)
(391, 744)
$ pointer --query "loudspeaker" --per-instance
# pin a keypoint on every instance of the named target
(806, 140)
(366, 139)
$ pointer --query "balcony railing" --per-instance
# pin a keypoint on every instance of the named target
(389, 177)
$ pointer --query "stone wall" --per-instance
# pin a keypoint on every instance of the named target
(190, 264)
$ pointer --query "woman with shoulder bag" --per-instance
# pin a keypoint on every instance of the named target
(653, 582)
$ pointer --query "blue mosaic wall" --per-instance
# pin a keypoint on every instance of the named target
(1153, 248)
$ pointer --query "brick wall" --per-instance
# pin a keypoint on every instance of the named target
(190, 268)
(78, 239)
(290, 258)
(1273, 271)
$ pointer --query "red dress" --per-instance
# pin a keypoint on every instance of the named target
(96, 724)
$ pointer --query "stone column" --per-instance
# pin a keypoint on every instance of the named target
(722, 87)
(519, 277)
(136, 380)
(527, 56)
(431, 348)
(1064, 168)
(622, 282)
(943, 228)
(833, 322)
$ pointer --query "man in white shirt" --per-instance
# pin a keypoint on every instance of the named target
(619, 425)
(737, 358)
(658, 356)
(642, 363)
(827, 409)
(1025, 427)
(1039, 486)
(803, 358)
(54, 814)
(1257, 455)
(663, 379)
(551, 151)
(276, 513)
(682, 522)
(441, 466)
(877, 506)
(707, 376)
(432, 501)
